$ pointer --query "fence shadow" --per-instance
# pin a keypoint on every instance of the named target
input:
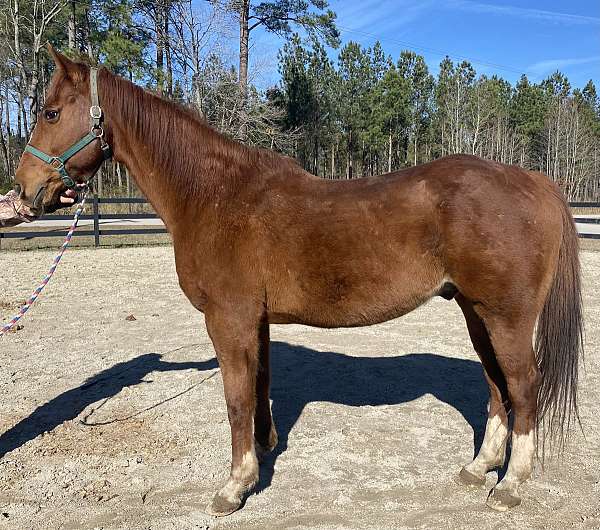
(300, 376)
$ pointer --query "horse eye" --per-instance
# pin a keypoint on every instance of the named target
(50, 115)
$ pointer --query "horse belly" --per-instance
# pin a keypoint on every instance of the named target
(355, 299)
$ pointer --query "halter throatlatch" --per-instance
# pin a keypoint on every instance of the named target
(96, 133)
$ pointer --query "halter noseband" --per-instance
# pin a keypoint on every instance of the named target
(96, 133)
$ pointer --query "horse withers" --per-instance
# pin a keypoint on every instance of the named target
(258, 241)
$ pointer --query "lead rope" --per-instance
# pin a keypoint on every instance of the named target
(55, 263)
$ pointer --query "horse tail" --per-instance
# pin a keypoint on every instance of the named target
(559, 340)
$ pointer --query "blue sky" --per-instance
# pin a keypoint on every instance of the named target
(507, 38)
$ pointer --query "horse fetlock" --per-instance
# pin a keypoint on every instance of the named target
(263, 447)
(493, 448)
(246, 472)
(482, 464)
(520, 466)
(473, 474)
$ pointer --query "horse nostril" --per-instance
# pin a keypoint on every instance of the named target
(18, 190)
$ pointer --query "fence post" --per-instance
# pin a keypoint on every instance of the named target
(96, 221)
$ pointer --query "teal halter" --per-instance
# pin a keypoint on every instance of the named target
(96, 133)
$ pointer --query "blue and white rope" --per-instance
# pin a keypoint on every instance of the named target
(45, 281)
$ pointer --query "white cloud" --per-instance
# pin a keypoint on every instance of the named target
(377, 16)
(551, 65)
(523, 12)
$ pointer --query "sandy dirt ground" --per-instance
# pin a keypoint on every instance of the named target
(113, 423)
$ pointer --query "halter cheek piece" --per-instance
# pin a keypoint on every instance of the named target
(96, 133)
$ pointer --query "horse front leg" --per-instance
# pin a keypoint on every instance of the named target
(236, 342)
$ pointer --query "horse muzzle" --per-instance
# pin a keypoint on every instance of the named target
(34, 202)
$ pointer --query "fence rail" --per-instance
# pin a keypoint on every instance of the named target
(97, 232)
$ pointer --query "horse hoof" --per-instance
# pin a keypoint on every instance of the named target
(466, 478)
(220, 506)
(502, 500)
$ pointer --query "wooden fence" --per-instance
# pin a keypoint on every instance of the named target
(587, 220)
(98, 231)
(96, 216)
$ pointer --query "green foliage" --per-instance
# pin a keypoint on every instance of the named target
(119, 42)
(589, 103)
(278, 17)
(370, 114)
(361, 113)
(308, 95)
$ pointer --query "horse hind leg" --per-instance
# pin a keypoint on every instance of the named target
(516, 358)
(265, 435)
(493, 448)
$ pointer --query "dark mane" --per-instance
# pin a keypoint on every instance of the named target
(181, 144)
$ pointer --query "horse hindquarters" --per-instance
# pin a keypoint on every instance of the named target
(550, 370)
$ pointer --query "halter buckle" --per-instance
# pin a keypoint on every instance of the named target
(97, 131)
(96, 112)
(56, 163)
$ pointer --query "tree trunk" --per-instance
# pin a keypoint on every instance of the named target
(8, 129)
(244, 43)
(88, 31)
(23, 114)
(119, 175)
(19, 113)
(159, 26)
(243, 73)
(71, 28)
(333, 161)
(167, 49)
(33, 90)
(22, 81)
(416, 145)
(128, 179)
(390, 152)
(100, 181)
(5, 154)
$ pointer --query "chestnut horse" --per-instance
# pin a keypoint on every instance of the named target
(258, 241)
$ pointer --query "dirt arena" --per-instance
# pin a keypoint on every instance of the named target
(114, 422)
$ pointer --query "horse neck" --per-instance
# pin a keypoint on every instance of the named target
(178, 162)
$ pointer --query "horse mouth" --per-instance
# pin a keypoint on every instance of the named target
(54, 199)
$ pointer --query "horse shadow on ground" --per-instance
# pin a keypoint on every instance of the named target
(300, 376)
(68, 405)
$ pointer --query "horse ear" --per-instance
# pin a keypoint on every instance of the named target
(70, 68)
(61, 61)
